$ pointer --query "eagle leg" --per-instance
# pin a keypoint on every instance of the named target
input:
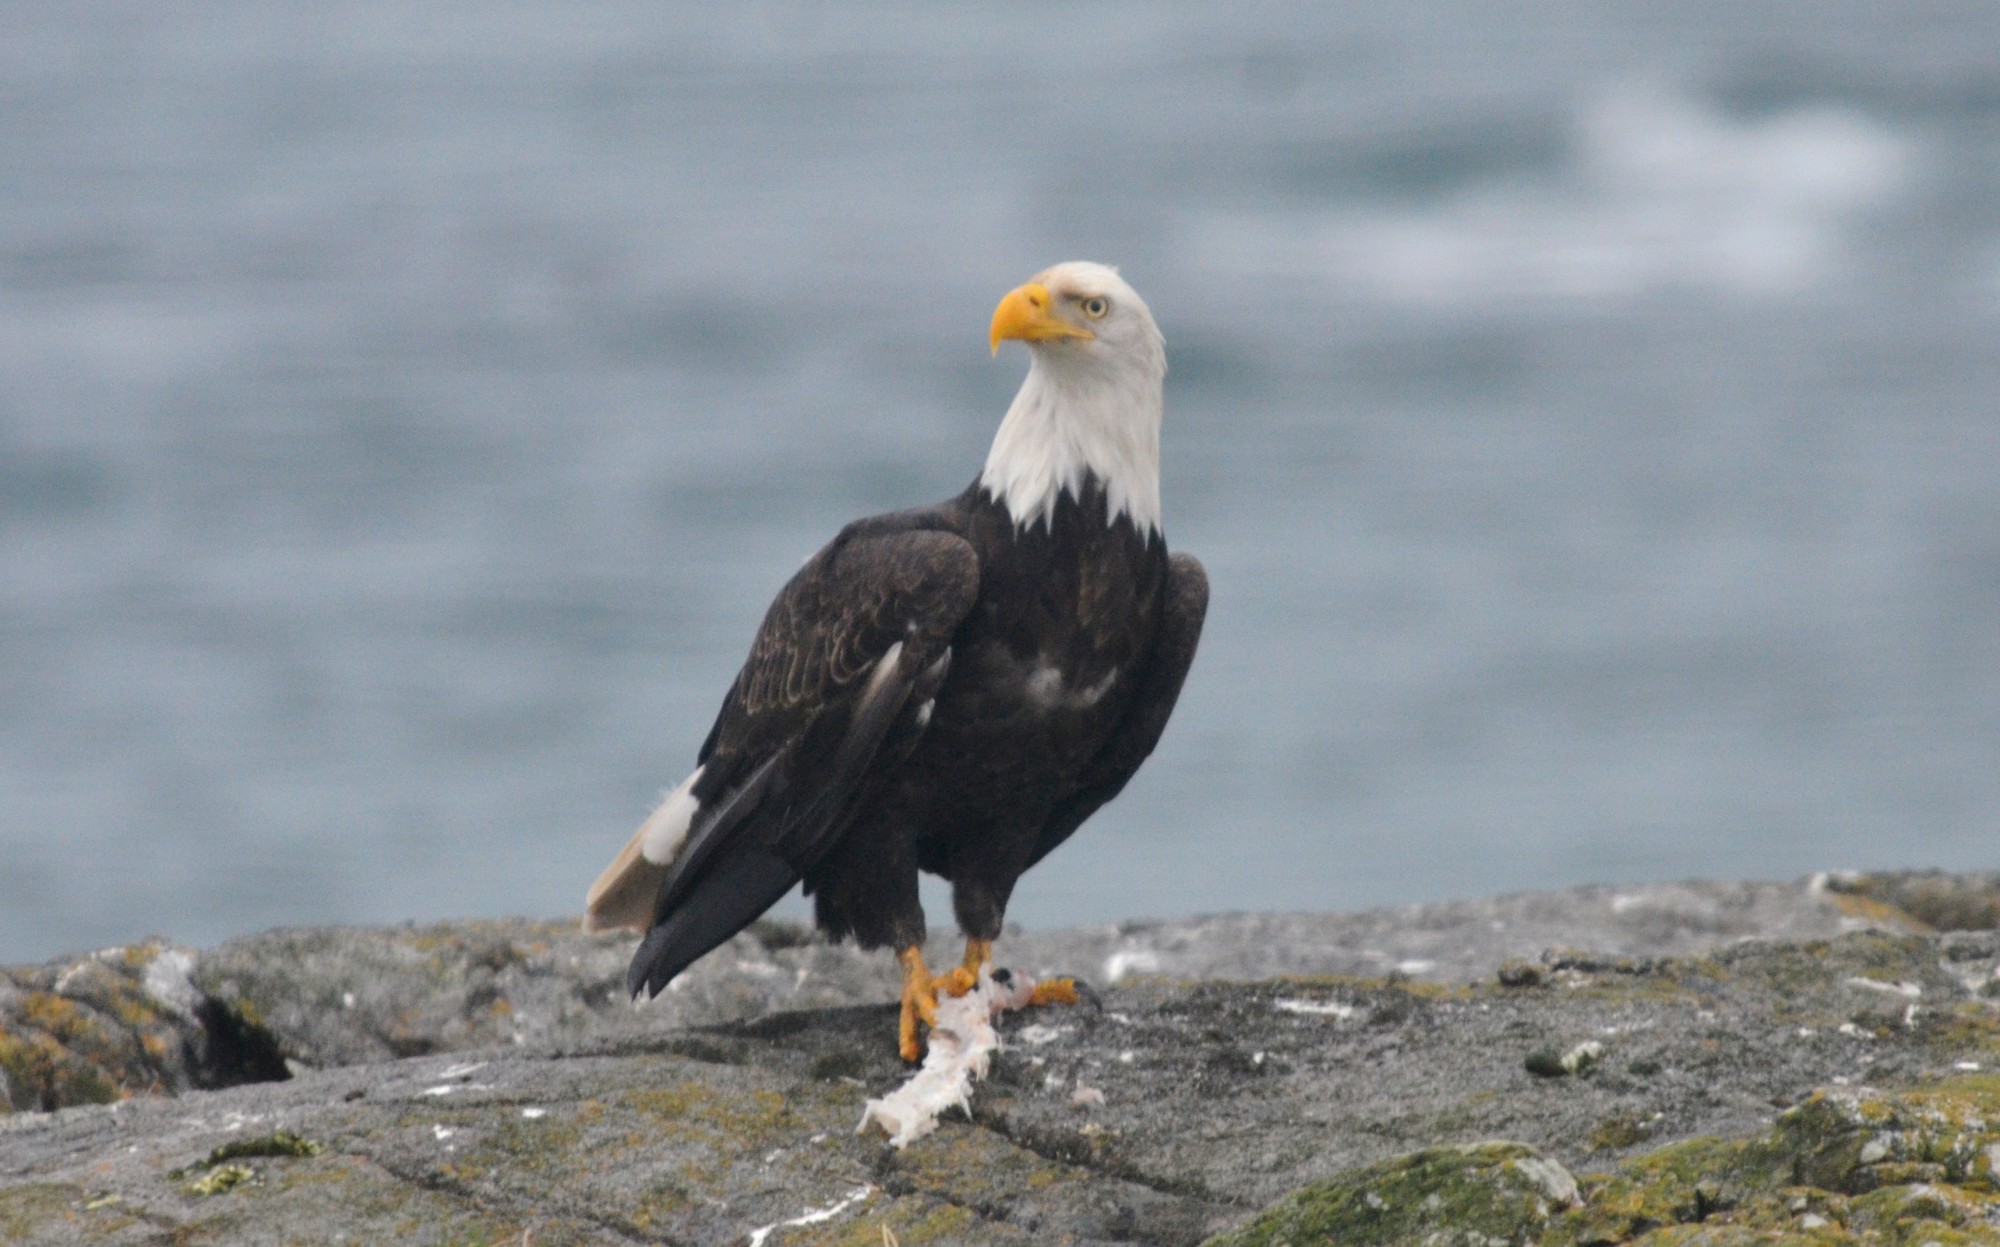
(978, 955)
(919, 1002)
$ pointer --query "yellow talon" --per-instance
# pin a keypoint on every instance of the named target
(1055, 992)
(919, 1002)
(966, 977)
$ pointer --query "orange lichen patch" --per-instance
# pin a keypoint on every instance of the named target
(43, 1075)
(49, 1012)
(1868, 909)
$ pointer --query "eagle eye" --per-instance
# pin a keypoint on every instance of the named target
(1095, 307)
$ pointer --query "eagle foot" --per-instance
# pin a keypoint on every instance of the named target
(978, 954)
(919, 1003)
(1066, 991)
(958, 982)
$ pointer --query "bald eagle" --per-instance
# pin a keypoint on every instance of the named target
(951, 689)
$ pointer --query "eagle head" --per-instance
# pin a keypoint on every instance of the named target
(1092, 402)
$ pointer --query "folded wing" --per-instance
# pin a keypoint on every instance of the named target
(851, 649)
(1183, 607)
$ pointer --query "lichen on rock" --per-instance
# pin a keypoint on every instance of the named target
(1846, 1166)
(1473, 1195)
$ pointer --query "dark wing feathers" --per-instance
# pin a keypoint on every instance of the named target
(1184, 605)
(866, 621)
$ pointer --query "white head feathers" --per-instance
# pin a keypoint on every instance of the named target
(1092, 401)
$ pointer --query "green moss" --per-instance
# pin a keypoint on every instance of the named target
(1846, 1140)
(282, 1143)
(1846, 1166)
(1480, 1193)
(913, 1221)
(751, 1120)
(538, 1147)
(1617, 1132)
(1898, 1212)
(980, 1169)
(25, 1209)
(221, 1179)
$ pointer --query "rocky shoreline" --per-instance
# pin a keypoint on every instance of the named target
(1728, 1061)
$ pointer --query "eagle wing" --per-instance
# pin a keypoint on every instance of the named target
(849, 651)
(1184, 606)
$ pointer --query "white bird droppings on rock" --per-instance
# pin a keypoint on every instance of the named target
(1086, 1097)
(812, 1216)
(533, 1113)
(1910, 990)
(1316, 1008)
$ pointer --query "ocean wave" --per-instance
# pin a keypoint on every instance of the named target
(1658, 191)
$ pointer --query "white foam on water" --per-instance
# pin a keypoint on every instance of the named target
(1660, 191)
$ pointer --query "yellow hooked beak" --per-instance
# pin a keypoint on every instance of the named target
(1026, 313)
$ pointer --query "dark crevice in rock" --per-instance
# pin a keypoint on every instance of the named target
(233, 1050)
(1073, 1148)
(901, 1186)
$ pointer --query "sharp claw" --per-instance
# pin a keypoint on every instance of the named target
(1089, 994)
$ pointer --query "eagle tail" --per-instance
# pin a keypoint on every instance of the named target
(623, 895)
(747, 841)
(738, 889)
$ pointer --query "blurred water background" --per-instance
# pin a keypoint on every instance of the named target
(1586, 413)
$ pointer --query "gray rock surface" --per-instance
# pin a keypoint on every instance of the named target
(484, 1083)
(337, 996)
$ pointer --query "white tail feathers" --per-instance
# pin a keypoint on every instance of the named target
(623, 895)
